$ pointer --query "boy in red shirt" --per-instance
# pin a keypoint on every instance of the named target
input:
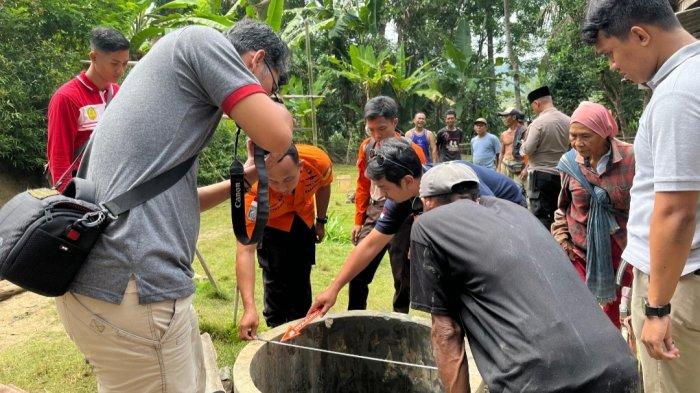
(76, 107)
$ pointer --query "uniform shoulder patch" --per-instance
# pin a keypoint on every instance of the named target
(42, 193)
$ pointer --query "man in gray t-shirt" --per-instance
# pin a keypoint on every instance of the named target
(138, 278)
(532, 325)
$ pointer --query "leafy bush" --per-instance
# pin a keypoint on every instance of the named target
(336, 232)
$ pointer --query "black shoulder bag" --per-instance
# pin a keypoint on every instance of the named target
(45, 237)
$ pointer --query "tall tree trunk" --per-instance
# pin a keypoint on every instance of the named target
(511, 55)
(488, 22)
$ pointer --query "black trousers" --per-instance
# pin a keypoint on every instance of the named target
(358, 290)
(543, 194)
(401, 266)
(286, 259)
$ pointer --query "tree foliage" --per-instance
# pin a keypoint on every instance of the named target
(430, 55)
(573, 70)
(41, 45)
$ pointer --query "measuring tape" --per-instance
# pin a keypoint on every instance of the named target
(349, 355)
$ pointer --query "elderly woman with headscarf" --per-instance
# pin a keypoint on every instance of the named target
(591, 220)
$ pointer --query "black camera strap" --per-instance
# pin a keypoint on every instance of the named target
(238, 190)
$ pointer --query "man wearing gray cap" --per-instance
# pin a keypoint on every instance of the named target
(485, 146)
(547, 140)
(532, 325)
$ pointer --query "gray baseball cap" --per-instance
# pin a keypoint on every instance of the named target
(440, 179)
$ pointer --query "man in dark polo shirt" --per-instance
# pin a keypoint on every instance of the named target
(398, 178)
(532, 325)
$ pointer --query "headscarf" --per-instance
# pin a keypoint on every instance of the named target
(596, 117)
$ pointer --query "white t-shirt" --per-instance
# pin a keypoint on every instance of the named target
(667, 152)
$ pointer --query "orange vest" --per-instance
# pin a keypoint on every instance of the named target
(315, 171)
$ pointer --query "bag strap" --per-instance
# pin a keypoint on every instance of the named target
(238, 190)
(147, 190)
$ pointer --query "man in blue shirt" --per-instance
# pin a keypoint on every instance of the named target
(485, 146)
(401, 172)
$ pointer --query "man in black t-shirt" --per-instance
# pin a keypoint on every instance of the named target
(449, 138)
(487, 269)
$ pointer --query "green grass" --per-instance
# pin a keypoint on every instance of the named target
(49, 362)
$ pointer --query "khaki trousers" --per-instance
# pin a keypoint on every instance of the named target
(137, 347)
(680, 375)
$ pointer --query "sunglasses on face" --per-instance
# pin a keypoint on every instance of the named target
(381, 159)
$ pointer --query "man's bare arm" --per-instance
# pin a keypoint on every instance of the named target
(670, 238)
(673, 222)
(323, 198)
(448, 348)
(245, 280)
(357, 261)
(214, 194)
(266, 122)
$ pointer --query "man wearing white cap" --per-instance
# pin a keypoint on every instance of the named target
(532, 325)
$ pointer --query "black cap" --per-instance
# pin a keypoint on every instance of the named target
(538, 93)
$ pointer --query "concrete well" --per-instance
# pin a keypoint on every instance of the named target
(263, 367)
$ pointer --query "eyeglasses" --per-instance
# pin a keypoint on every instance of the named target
(275, 85)
(382, 159)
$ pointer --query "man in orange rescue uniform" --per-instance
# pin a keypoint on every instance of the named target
(381, 116)
(298, 181)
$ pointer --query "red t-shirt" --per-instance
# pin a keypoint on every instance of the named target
(74, 111)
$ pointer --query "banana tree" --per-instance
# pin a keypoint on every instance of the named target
(462, 72)
(406, 83)
(156, 21)
(364, 67)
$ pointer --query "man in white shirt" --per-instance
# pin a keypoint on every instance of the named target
(645, 42)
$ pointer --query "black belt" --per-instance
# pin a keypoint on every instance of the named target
(697, 272)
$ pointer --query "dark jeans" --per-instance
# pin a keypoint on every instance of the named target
(400, 269)
(358, 289)
(286, 259)
(543, 194)
(401, 266)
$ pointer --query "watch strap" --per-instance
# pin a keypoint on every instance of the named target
(662, 311)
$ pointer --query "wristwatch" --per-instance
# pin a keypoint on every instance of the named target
(650, 311)
(322, 220)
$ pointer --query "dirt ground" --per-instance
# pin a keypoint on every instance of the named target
(25, 315)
